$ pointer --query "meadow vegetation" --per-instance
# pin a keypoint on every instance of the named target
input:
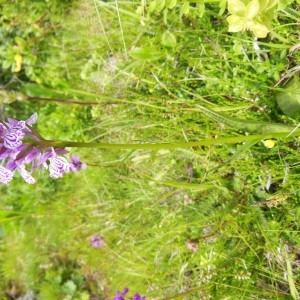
(203, 222)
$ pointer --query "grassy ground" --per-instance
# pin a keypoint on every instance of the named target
(177, 223)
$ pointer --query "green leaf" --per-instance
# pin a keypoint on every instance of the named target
(222, 5)
(169, 39)
(185, 9)
(289, 99)
(6, 64)
(201, 9)
(145, 54)
(284, 3)
(171, 3)
(152, 6)
(33, 90)
(160, 4)
(69, 287)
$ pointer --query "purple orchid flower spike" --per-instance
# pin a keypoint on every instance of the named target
(25, 174)
(5, 175)
(12, 136)
(58, 165)
(97, 241)
(137, 296)
(15, 154)
(13, 131)
(32, 120)
(76, 164)
(121, 296)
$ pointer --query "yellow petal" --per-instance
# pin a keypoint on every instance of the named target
(252, 9)
(260, 34)
(236, 7)
(259, 30)
(236, 24)
(19, 60)
(269, 143)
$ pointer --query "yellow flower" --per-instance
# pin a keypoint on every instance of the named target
(269, 143)
(242, 17)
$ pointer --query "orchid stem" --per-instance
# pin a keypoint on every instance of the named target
(157, 146)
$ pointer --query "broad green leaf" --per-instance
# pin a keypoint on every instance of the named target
(160, 4)
(152, 6)
(169, 39)
(289, 99)
(201, 9)
(222, 5)
(6, 64)
(185, 9)
(171, 3)
(252, 9)
(284, 3)
(236, 7)
(145, 54)
(34, 90)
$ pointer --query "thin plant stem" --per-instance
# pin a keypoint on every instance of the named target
(62, 101)
(157, 146)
